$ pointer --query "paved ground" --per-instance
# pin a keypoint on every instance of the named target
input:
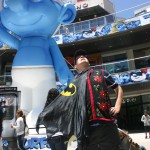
(136, 137)
(140, 139)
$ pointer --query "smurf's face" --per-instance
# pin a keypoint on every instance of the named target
(138, 76)
(30, 17)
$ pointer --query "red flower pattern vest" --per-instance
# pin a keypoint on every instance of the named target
(98, 101)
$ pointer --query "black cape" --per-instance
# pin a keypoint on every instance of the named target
(67, 113)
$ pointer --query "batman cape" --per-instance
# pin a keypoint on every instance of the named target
(67, 113)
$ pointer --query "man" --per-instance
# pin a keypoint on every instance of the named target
(2, 115)
(84, 109)
(103, 133)
(1, 128)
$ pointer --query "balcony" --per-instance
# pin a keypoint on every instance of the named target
(85, 25)
(124, 72)
(102, 26)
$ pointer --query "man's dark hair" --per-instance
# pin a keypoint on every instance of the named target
(52, 94)
(79, 53)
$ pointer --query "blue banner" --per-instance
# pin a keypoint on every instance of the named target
(99, 31)
(133, 76)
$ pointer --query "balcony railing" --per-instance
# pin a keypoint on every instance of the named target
(138, 68)
(86, 25)
(5, 80)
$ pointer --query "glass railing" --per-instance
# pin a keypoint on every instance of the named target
(131, 65)
(101, 21)
(86, 25)
(5, 80)
(124, 69)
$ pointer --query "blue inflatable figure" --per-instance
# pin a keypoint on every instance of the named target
(28, 26)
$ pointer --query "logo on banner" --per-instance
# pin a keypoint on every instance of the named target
(36, 143)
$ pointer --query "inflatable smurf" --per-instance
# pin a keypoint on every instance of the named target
(28, 26)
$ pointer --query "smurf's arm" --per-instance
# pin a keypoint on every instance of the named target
(63, 72)
(7, 38)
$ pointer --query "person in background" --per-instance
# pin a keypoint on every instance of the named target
(2, 115)
(103, 132)
(19, 126)
(57, 141)
(1, 129)
(146, 120)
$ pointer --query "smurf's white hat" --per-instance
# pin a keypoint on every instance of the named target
(62, 2)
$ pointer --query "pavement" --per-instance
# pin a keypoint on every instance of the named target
(140, 139)
(137, 137)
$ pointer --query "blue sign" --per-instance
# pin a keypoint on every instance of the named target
(36, 143)
(5, 143)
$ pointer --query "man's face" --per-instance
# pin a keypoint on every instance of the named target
(145, 113)
(82, 62)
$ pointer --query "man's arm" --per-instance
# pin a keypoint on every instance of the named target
(118, 90)
(142, 119)
(115, 110)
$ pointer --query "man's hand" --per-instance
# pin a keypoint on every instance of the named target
(114, 110)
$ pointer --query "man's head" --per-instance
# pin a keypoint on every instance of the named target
(145, 112)
(80, 60)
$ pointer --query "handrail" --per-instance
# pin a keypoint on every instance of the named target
(139, 63)
(134, 61)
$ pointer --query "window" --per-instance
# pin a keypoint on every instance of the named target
(115, 63)
(78, 27)
(142, 58)
(70, 28)
(85, 25)
(93, 23)
(100, 21)
(61, 30)
(10, 106)
(110, 19)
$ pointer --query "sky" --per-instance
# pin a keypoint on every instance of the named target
(120, 5)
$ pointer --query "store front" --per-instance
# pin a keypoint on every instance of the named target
(131, 112)
(11, 96)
